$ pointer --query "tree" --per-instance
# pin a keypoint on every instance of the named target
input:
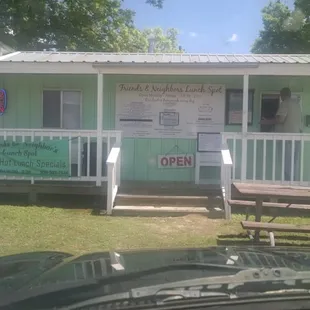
(64, 25)
(136, 41)
(76, 25)
(156, 3)
(285, 30)
(164, 41)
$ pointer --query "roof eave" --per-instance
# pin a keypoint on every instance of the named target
(175, 64)
(125, 68)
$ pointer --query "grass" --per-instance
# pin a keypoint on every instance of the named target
(24, 229)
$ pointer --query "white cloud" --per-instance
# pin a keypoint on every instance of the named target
(193, 34)
(233, 38)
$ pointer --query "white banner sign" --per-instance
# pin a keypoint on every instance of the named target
(169, 110)
(176, 161)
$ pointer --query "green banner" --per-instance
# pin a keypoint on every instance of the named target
(48, 158)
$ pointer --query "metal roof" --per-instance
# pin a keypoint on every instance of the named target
(5, 49)
(126, 58)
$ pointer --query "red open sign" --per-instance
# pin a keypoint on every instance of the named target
(176, 161)
(3, 101)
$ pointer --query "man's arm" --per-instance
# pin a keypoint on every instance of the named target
(279, 119)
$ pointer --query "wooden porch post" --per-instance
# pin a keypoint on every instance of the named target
(244, 126)
(99, 127)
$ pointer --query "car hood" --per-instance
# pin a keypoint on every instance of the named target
(29, 270)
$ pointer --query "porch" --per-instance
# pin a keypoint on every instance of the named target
(96, 170)
(92, 164)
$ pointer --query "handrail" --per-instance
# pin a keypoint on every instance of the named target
(112, 158)
(43, 132)
(226, 180)
(263, 134)
(226, 158)
(113, 165)
(59, 130)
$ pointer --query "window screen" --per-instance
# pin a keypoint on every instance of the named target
(51, 108)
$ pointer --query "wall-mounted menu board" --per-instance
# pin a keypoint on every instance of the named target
(168, 110)
(209, 142)
(234, 102)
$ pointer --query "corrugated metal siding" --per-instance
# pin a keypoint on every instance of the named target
(74, 57)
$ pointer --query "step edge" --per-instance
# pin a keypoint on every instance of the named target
(159, 196)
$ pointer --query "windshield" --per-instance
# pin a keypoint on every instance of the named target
(150, 149)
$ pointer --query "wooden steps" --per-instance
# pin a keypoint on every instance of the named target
(160, 211)
(167, 200)
(161, 200)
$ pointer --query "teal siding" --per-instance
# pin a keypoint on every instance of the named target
(25, 98)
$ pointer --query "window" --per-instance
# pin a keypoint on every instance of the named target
(61, 109)
(234, 100)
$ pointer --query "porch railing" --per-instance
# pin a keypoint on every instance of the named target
(114, 165)
(269, 157)
(83, 159)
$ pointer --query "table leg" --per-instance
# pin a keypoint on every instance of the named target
(258, 216)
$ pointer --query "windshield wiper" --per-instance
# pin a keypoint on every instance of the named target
(252, 283)
(117, 277)
(160, 298)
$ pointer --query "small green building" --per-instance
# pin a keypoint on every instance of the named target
(156, 108)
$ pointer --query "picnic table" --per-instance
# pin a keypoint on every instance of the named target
(261, 192)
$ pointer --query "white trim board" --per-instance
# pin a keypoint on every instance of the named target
(155, 69)
(159, 69)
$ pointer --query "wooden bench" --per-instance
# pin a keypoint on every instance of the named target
(263, 192)
(269, 205)
(271, 227)
(276, 205)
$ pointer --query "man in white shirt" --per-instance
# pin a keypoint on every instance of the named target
(288, 120)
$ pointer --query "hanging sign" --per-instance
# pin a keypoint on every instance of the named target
(176, 161)
(169, 110)
(3, 101)
(48, 158)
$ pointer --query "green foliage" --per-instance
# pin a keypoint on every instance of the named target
(156, 3)
(284, 30)
(165, 42)
(78, 25)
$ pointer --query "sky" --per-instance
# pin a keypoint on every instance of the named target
(206, 26)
